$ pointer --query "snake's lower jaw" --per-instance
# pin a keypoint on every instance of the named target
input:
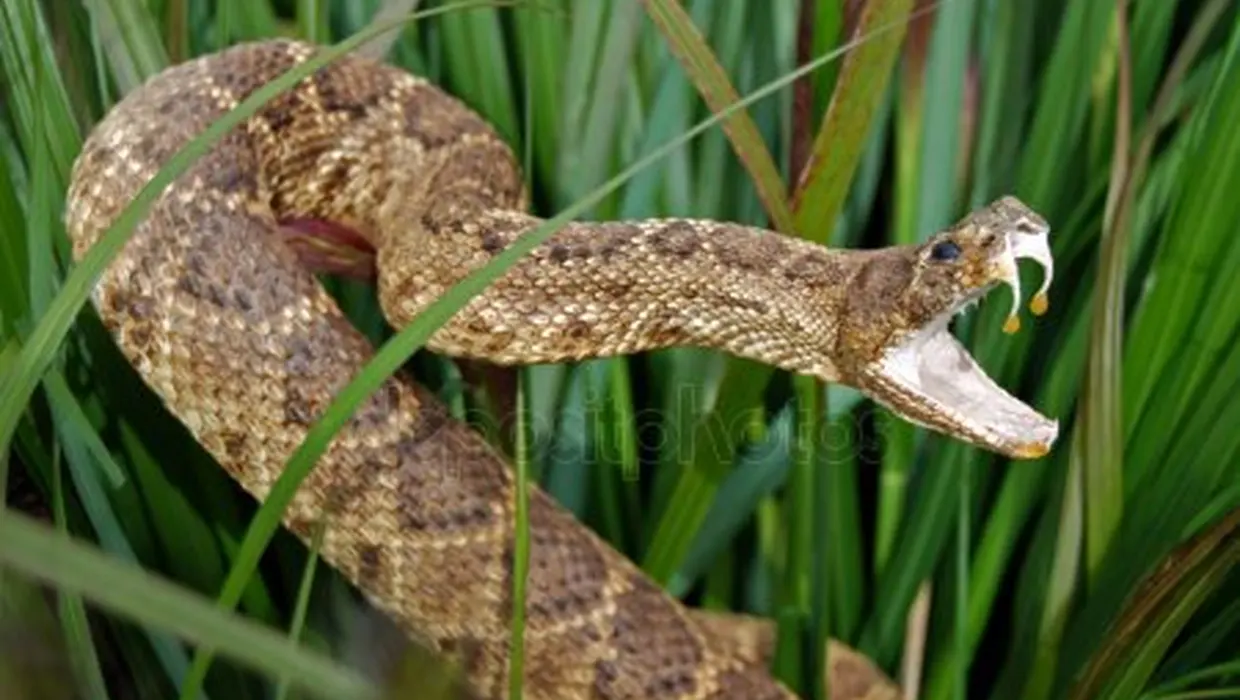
(932, 381)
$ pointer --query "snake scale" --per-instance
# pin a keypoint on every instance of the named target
(219, 310)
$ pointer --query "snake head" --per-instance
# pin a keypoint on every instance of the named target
(896, 330)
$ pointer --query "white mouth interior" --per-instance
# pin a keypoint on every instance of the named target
(936, 368)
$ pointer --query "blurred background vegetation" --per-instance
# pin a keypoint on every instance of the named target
(1105, 570)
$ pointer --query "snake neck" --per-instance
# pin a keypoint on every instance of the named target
(615, 288)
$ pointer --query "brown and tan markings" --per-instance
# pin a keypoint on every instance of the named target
(215, 309)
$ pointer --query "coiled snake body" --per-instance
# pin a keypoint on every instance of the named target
(218, 313)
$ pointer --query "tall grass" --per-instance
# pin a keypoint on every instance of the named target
(1104, 570)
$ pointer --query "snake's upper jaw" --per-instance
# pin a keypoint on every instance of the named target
(931, 380)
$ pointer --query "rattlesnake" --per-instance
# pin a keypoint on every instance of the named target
(220, 313)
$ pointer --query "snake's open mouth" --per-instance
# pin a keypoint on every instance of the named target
(944, 388)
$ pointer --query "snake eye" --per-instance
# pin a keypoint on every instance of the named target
(945, 251)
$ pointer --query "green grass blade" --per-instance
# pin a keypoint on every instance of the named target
(822, 186)
(1062, 102)
(828, 31)
(106, 521)
(800, 579)
(396, 351)
(911, 103)
(1017, 498)
(77, 422)
(1062, 580)
(36, 551)
(303, 602)
(707, 446)
(1101, 445)
(73, 612)
(19, 383)
(130, 38)
(923, 537)
(388, 10)
(1004, 54)
(566, 479)
(244, 20)
(541, 36)
(585, 37)
(707, 450)
(613, 467)
(844, 558)
(1156, 611)
(1223, 670)
(1015, 98)
(520, 547)
(25, 614)
(474, 53)
(25, 46)
(45, 200)
(712, 82)
(760, 470)
(927, 192)
(14, 255)
(1192, 253)
(595, 148)
(1152, 25)
(312, 20)
(176, 29)
(731, 24)
(940, 181)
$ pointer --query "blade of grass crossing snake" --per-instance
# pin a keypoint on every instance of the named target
(402, 345)
(38, 551)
